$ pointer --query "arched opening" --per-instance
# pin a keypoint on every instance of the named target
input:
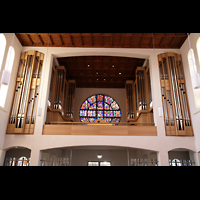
(181, 157)
(17, 156)
(98, 156)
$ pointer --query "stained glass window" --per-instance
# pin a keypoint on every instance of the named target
(100, 107)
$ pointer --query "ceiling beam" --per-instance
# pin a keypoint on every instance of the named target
(30, 39)
(81, 39)
(122, 39)
(40, 39)
(50, 38)
(60, 37)
(70, 37)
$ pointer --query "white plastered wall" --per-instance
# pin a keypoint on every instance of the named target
(194, 111)
(160, 143)
(4, 112)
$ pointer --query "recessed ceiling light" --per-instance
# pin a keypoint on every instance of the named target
(88, 65)
(97, 72)
(120, 73)
(104, 79)
(97, 79)
(89, 78)
(99, 156)
(113, 65)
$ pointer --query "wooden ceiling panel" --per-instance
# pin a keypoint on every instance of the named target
(101, 72)
(110, 40)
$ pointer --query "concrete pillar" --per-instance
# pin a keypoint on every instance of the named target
(163, 158)
(196, 156)
(36, 155)
(2, 156)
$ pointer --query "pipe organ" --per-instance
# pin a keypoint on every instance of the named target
(138, 97)
(25, 99)
(61, 96)
(174, 97)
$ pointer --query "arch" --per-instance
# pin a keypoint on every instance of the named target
(181, 149)
(100, 106)
(2, 48)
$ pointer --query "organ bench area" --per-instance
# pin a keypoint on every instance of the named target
(25, 98)
(174, 95)
(61, 97)
(139, 99)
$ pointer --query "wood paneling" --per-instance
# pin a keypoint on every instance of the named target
(99, 129)
(100, 72)
(110, 40)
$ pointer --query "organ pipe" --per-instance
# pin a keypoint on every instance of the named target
(175, 105)
(138, 96)
(129, 94)
(61, 96)
(24, 104)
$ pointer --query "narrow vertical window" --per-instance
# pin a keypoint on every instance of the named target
(8, 67)
(193, 70)
(198, 48)
(2, 48)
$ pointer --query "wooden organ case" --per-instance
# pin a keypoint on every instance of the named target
(138, 98)
(25, 99)
(174, 96)
(61, 97)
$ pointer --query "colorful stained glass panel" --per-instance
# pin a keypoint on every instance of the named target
(114, 105)
(92, 106)
(92, 99)
(83, 113)
(99, 97)
(91, 113)
(84, 105)
(99, 105)
(99, 113)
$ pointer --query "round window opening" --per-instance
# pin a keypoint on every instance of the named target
(100, 107)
